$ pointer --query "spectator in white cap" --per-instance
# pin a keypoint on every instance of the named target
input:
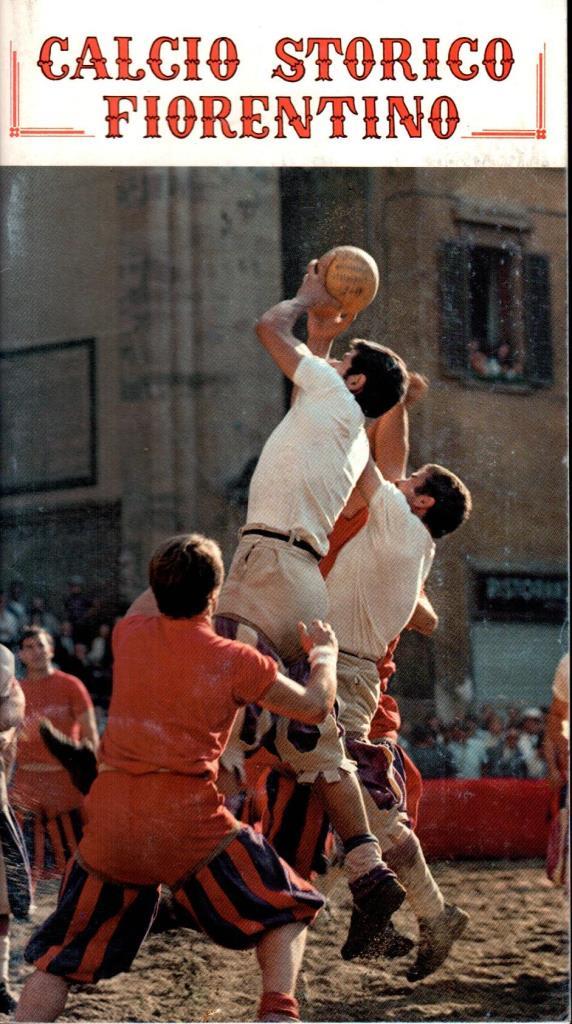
(530, 742)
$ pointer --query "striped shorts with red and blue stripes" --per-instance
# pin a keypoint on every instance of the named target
(98, 925)
(50, 842)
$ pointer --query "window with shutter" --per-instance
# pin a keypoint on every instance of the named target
(495, 314)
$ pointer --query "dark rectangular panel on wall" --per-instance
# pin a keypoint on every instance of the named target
(48, 417)
(520, 597)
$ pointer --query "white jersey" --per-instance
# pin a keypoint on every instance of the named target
(377, 577)
(561, 681)
(312, 460)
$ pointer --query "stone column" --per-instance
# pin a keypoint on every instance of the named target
(199, 259)
(153, 306)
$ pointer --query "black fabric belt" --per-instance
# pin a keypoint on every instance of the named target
(284, 536)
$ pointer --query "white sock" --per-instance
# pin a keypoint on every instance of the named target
(362, 859)
(423, 893)
(4, 958)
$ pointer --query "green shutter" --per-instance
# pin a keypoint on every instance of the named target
(539, 357)
(453, 273)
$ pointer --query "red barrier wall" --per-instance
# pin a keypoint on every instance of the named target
(480, 818)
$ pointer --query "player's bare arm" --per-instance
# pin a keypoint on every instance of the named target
(389, 437)
(389, 440)
(311, 703)
(369, 481)
(424, 619)
(145, 604)
(275, 327)
(88, 728)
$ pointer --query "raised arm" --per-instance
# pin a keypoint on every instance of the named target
(389, 444)
(313, 702)
(275, 327)
(369, 481)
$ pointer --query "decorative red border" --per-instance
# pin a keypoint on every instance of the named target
(19, 131)
(524, 133)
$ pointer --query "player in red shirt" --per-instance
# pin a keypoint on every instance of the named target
(48, 806)
(155, 813)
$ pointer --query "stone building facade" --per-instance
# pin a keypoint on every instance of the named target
(135, 397)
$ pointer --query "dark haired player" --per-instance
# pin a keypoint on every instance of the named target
(374, 587)
(374, 590)
(154, 811)
(307, 469)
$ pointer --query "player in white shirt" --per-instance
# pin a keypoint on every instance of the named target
(304, 476)
(308, 466)
(374, 587)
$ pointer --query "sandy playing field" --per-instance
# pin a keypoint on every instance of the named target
(511, 964)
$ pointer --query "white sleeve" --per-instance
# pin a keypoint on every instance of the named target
(7, 670)
(315, 375)
(390, 515)
(397, 532)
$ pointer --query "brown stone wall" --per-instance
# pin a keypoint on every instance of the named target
(509, 447)
(167, 269)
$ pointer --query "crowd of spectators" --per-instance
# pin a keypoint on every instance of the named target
(491, 743)
(81, 635)
(494, 744)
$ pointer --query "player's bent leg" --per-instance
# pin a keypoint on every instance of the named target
(247, 896)
(423, 894)
(43, 998)
(440, 924)
(96, 929)
(245, 890)
(279, 954)
(376, 891)
(317, 755)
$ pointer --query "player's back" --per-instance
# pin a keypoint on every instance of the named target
(176, 689)
(312, 459)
